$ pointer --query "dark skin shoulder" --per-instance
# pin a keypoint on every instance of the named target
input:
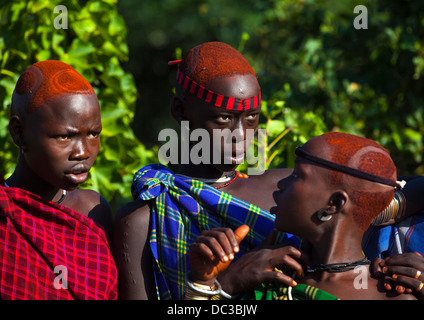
(258, 189)
(92, 205)
(131, 237)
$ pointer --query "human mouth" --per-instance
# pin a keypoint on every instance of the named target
(78, 174)
(238, 159)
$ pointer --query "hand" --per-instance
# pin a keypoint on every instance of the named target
(212, 252)
(258, 266)
(402, 273)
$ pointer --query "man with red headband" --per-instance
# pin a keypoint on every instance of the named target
(216, 90)
(52, 247)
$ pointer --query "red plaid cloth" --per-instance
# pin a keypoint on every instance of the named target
(37, 236)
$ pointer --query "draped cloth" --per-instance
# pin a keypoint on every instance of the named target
(180, 210)
(405, 236)
(50, 252)
(276, 291)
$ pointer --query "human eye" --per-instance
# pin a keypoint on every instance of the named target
(252, 116)
(63, 137)
(223, 118)
(94, 134)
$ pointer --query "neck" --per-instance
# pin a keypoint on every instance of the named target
(24, 178)
(203, 171)
(338, 245)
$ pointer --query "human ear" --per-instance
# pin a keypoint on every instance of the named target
(16, 129)
(337, 202)
(178, 109)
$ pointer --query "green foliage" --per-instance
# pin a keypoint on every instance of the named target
(95, 45)
(366, 82)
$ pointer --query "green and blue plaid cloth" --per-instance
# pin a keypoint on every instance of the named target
(181, 209)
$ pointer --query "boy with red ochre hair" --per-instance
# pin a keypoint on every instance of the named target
(50, 243)
(216, 89)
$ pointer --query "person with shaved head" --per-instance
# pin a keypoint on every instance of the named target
(339, 184)
(53, 236)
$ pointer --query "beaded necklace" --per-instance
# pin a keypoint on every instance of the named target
(227, 179)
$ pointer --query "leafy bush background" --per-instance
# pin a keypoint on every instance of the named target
(317, 72)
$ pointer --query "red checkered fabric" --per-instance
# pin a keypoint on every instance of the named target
(48, 251)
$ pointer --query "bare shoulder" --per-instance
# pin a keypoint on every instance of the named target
(271, 176)
(85, 200)
(137, 211)
(92, 205)
(133, 219)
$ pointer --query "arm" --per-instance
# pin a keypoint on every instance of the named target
(132, 252)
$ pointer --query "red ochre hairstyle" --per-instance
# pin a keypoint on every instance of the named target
(214, 59)
(368, 156)
(44, 80)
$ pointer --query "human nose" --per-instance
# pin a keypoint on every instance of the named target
(80, 150)
(239, 130)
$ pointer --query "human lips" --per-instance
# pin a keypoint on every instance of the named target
(78, 174)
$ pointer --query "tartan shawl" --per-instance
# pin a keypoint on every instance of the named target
(50, 252)
(404, 236)
(180, 210)
(276, 291)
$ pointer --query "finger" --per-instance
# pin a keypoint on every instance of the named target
(376, 267)
(387, 283)
(218, 242)
(227, 232)
(198, 248)
(405, 271)
(408, 283)
(280, 277)
(409, 259)
(287, 257)
(240, 233)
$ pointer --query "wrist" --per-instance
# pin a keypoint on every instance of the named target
(201, 291)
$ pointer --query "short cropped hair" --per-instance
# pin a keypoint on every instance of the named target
(211, 60)
(44, 80)
(368, 156)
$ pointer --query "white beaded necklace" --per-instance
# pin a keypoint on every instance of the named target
(223, 179)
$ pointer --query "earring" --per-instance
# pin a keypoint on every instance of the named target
(323, 216)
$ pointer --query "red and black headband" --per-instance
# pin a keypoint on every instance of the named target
(218, 100)
(302, 153)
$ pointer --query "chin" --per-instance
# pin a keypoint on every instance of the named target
(226, 167)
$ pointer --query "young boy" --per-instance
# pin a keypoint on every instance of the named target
(55, 121)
